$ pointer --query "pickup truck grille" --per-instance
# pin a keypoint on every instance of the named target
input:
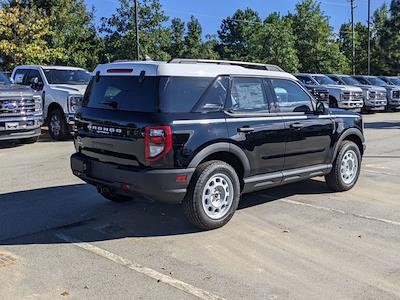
(377, 95)
(322, 95)
(353, 96)
(17, 107)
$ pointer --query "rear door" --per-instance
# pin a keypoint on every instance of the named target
(253, 128)
(309, 136)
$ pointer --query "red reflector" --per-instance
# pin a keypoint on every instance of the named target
(181, 178)
(125, 187)
(157, 139)
(119, 70)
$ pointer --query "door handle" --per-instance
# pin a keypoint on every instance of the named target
(296, 125)
(245, 129)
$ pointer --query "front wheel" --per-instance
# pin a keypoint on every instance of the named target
(58, 127)
(213, 195)
(346, 168)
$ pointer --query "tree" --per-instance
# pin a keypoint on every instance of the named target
(24, 33)
(361, 45)
(119, 32)
(389, 40)
(177, 38)
(194, 46)
(236, 32)
(274, 44)
(378, 44)
(317, 48)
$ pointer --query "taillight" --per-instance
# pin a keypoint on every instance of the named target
(158, 142)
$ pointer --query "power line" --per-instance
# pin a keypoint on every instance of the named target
(353, 46)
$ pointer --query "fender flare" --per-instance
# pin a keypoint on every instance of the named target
(222, 147)
(344, 135)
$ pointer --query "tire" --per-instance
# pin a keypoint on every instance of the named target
(213, 195)
(332, 102)
(112, 196)
(58, 127)
(346, 168)
(29, 140)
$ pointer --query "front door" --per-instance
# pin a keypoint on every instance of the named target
(308, 135)
(254, 129)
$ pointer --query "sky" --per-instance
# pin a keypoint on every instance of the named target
(212, 12)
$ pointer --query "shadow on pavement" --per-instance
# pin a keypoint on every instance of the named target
(80, 209)
(382, 125)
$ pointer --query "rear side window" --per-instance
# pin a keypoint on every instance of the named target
(214, 98)
(247, 95)
(127, 93)
(180, 94)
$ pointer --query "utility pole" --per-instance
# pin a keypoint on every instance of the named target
(369, 37)
(353, 46)
(137, 29)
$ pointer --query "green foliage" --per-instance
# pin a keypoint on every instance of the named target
(318, 51)
(274, 44)
(24, 35)
(237, 32)
(63, 32)
(361, 46)
(119, 32)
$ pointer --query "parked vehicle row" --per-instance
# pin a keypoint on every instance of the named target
(62, 88)
(370, 93)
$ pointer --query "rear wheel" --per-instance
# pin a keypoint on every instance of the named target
(346, 168)
(58, 127)
(213, 195)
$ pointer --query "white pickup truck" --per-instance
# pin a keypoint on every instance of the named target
(62, 89)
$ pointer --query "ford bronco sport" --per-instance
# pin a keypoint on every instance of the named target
(201, 133)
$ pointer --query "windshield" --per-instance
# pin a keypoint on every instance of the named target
(4, 79)
(321, 79)
(376, 81)
(73, 77)
(350, 80)
(395, 81)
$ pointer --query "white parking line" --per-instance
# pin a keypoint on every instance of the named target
(180, 285)
(341, 212)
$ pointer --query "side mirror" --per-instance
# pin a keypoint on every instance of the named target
(35, 84)
(322, 108)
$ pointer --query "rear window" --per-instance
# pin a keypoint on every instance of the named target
(180, 94)
(128, 93)
(146, 94)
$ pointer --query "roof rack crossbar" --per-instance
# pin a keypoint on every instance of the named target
(248, 65)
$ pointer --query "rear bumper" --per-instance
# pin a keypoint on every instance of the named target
(160, 185)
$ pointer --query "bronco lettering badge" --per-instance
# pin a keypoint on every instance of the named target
(105, 130)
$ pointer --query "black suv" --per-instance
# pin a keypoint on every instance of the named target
(200, 133)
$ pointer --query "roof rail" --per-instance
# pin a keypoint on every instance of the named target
(248, 65)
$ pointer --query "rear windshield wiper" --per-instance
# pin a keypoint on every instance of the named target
(113, 104)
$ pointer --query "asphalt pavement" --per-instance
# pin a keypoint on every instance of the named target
(59, 239)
